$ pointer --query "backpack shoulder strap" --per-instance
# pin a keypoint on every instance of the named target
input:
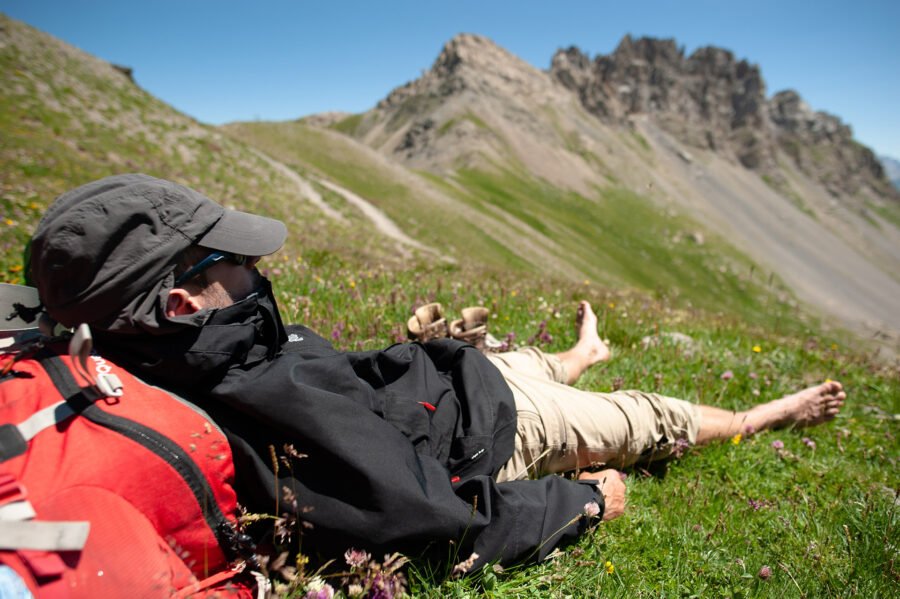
(14, 437)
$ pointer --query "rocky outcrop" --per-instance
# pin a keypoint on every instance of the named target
(823, 147)
(712, 100)
(469, 106)
(707, 100)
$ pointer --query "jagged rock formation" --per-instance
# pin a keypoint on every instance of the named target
(823, 147)
(712, 100)
(707, 100)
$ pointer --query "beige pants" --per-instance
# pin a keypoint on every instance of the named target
(561, 428)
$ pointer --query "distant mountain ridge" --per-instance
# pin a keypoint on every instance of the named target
(708, 100)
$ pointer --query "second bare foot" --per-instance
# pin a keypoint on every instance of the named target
(809, 407)
(589, 342)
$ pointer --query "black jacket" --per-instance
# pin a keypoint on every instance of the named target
(400, 444)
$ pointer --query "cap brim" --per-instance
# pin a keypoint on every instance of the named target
(245, 234)
(16, 294)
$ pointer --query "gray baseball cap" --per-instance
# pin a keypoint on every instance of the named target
(104, 253)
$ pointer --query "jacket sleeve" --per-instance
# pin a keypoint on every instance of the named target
(363, 485)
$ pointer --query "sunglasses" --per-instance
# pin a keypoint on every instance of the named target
(208, 262)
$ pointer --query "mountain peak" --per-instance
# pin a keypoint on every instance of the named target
(467, 49)
(470, 62)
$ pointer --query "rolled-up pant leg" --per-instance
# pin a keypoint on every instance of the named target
(561, 428)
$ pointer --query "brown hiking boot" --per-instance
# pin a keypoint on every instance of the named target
(472, 327)
(427, 323)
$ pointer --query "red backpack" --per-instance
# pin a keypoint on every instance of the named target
(110, 487)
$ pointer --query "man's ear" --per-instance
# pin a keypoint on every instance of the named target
(181, 303)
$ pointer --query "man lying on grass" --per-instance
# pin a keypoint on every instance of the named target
(418, 447)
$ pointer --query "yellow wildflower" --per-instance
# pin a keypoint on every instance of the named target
(756, 349)
(834, 346)
(610, 568)
(827, 380)
(15, 268)
(612, 305)
(9, 222)
(352, 284)
(514, 293)
(587, 282)
(735, 440)
(301, 562)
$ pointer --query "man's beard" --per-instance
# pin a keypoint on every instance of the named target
(216, 296)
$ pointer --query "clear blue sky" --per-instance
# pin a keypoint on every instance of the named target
(225, 60)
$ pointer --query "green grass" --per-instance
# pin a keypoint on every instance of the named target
(702, 525)
(889, 212)
(470, 116)
(622, 238)
(348, 125)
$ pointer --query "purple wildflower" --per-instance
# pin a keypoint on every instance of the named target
(809, 442)
(755, 505)
(591, 509)
(727, 375)
(318, 589)
(765, 573)
(749, 430)
(777, 444)
(681, 446)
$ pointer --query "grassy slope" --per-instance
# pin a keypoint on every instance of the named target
(616, 237)
(690, 529)
(309, 150)
(67, 118)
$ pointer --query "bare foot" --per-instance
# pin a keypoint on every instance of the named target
(808, 407)
(589, 342)
(588, 350)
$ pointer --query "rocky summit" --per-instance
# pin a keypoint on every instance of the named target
(712, 100)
